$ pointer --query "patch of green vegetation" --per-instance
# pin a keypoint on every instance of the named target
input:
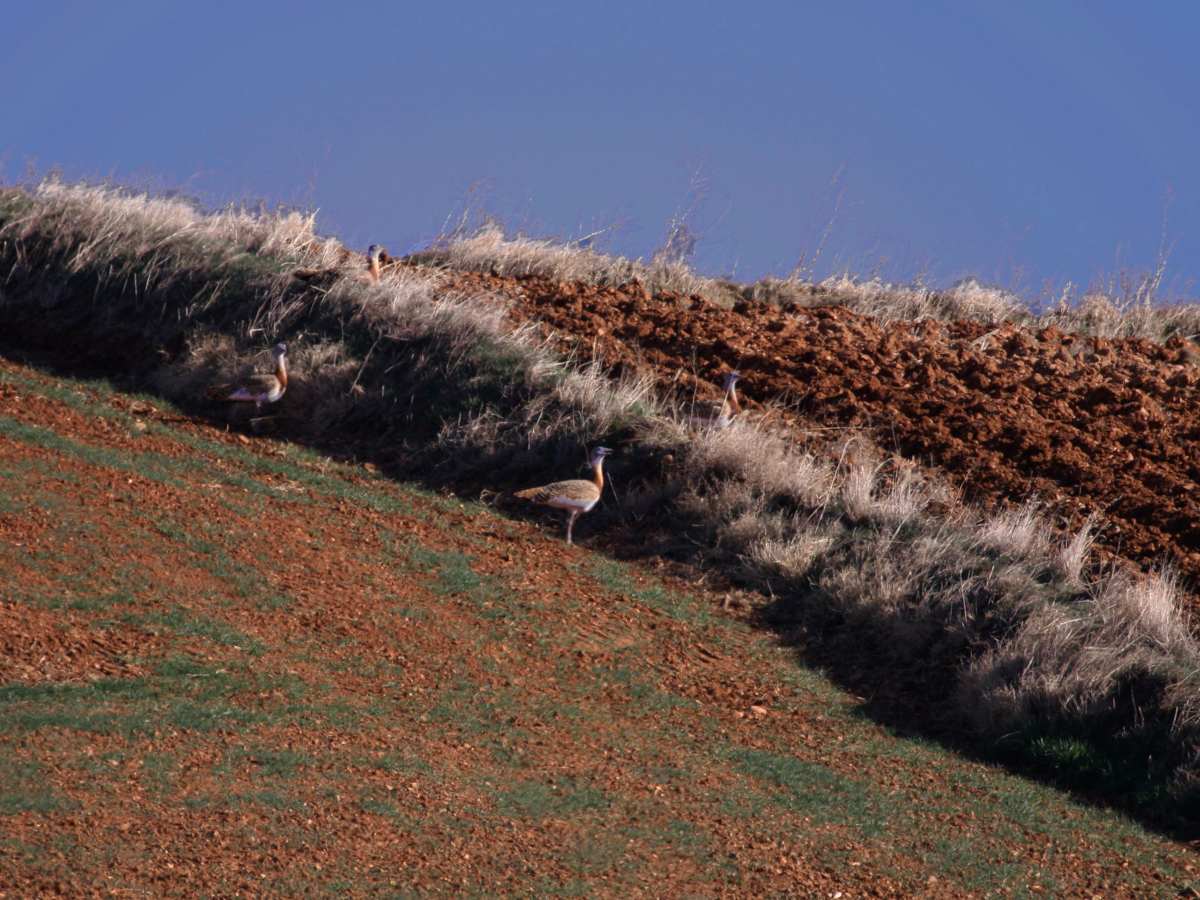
(814, 790)
(739, 802)
(159, 771)
(616, 576)
(397, 762)
(245, 581)
(272, 800)
(683, 837)
(86, 603)
(333, 481)
(23, 788)
(180, 693)
(1129, 767)
(272, 763)
(563, 798)
(383, 808)
(969, 863)
(10, 503)
(453, 576)
(102, 763)
(147, 465)
(186, 623)
(642, 694)
(76, 394)
(486, 715)
(597, 851)
(183, 537)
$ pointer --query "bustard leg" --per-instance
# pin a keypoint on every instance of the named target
(571, 524)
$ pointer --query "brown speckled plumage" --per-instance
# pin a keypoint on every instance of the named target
(576, 496)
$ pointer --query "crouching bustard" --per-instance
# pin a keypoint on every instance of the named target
(257, 389)
(576, 496)
(719, 416)
(325, 277)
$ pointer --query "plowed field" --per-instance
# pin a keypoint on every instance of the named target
(1089, 427)
(231, 667)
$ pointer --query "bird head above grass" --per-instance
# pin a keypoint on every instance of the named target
(599, 453)
(279, 350)
(731, 379)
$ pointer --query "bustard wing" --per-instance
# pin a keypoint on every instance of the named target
(707, 414)
(251, 388)
(579, 490)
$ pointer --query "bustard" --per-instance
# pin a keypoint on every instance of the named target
(326, 277)
(257, 389)
(373, 254)
(719, 415)
(576, 496)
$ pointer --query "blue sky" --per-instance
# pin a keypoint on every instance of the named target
(1022, 143)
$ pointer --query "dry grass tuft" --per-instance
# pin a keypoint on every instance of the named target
(490, 250)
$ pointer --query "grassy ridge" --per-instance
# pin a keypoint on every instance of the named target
(968, 624)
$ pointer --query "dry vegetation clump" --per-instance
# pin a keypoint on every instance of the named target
(996, 602)
(892, 302)
(490, 250)
(994, 624)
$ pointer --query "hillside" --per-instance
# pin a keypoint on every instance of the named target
(959, 518)
(233, 665)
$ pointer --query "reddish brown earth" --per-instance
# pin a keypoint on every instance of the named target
(233, 668)
(1103, 427)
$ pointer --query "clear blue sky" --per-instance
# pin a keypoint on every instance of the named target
(1023, 143)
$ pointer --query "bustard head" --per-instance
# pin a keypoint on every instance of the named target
(279, 350)
(374, 252)
(599, 453)
(730, 380)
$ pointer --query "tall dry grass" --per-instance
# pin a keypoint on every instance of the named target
(853, 546)
(1126, 307)
(490, 250)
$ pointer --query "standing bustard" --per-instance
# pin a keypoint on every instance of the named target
(576, 496)
(257, 389)
(719, 416)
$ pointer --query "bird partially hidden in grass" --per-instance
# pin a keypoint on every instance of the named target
(373, 254)
(325, 277)
(719, 415)
(576, 496)
(257, 389)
